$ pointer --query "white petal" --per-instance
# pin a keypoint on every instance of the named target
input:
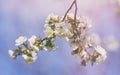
(32, 40)
(35, 48)
(29, 60)
(11, 53)
(21, 40)
(100, 50)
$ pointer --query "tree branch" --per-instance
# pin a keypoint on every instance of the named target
(68, 10)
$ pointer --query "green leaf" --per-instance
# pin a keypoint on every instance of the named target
(49, 43)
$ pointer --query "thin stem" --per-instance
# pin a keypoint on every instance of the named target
(26, 45)
(75, 12)
(45, 39)
(68, 10)
(42, 40)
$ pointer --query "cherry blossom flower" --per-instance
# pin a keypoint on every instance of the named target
(94, 40)
(11, 53)
(77, 35)
(101, 54)
(21, 40)
(32, 40)
(30, 59)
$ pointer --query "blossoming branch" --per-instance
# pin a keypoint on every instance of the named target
(73, 28)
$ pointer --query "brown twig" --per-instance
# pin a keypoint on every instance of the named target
(69, 10)
(75, 12)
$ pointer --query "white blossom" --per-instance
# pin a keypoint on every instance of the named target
(85, 22)
(76, 31)
(102, 55)
(60, 26)
(73, 41)
(30, 59)
(100, 50)
(32, 40)
(61, 30)
(70, 15)
(11, 53)
(94, 40)
(51, 17)
(35, 48)
(49, 32)
(68, 34)
(100, 59)
(21, 40)
(83, 54)
(33, 53)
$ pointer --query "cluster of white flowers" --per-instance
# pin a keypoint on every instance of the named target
(11, 53)
(29, 48)
(78, 37)
(30, 59)
(76, 32)
(21, 40)
(101, 54)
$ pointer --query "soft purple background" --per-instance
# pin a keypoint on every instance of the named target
(26, 17)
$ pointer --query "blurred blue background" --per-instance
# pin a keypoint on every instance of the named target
(27, 17)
